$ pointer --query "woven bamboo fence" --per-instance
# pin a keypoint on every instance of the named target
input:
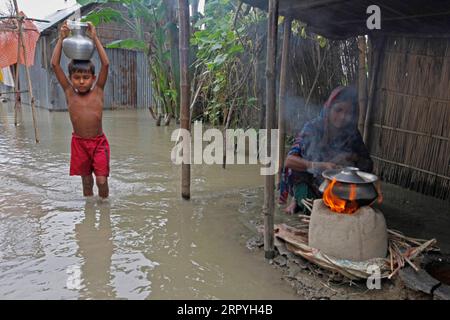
(410, 123)
(316, 71)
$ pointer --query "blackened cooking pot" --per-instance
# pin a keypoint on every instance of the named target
(348, 179)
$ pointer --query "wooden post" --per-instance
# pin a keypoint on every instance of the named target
(269, 186)
(17, 104)
(362, 82)
(379, 47)
(282, 96)
(185, 90)
(171, 17)
(30, 88)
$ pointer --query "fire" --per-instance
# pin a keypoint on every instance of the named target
(337, 204)
(380, 195)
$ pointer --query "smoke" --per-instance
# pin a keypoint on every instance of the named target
(340, 151)
(297, 114)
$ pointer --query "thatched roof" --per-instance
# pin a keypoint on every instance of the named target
(340, 19)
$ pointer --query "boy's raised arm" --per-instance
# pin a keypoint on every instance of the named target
(103, 74)
(56, 58)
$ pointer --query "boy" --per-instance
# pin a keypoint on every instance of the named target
(89, 147)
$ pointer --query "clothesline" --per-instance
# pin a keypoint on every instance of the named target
(20, 50)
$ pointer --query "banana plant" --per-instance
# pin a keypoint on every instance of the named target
(148, 21)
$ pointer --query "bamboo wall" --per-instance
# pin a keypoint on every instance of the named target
(309, 66)
(410, 123)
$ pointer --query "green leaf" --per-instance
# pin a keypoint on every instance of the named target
(235, 49)
(103, 15)
(220, 59)
(303, 33)
(127, 44)
(166, 55)
(322, 41)
(216, 47)
(85, 2)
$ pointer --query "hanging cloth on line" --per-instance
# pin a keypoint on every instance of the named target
(6, 77)
(9, 42)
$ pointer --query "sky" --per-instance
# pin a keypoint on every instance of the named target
(39, 9)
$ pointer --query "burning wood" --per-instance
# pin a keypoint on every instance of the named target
(401, 249)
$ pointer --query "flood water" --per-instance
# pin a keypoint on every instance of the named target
(146, 243)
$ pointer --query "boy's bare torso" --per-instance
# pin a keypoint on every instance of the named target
(86, 112)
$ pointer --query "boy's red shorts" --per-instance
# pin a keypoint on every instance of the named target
(89, 155)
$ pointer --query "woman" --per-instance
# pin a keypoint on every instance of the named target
(329, 141)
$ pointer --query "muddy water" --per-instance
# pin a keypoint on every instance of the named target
(146, 243)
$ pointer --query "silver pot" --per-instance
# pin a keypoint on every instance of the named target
(363, 184)
(78, 46)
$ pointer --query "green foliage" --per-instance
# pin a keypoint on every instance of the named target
(225, 47)
(322, 41)
(144, 16)
(128, 44)
(85, 2)
(104, 15)
(217, 52)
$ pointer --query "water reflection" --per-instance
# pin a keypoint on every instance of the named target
(95, 247)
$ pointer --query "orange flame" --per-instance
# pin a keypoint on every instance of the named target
(337, 204)
(380, 195)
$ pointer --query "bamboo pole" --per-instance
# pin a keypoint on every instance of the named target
(423, 134)
(282, 96)
(373, 84)
(269, 186)
(17, 103)
(174, 52)
(185, 90)
(362, 82)
(30, 88)
(434, 174)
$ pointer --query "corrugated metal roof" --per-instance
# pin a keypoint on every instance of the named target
(56, 17)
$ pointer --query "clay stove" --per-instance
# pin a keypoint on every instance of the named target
(343, 223)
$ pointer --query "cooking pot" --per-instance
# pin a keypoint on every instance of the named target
(347, 178)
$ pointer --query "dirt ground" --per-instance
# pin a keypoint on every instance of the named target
(417, 215)
(411, 213)
(313, 283)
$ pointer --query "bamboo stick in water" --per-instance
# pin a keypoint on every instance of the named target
(185, 90)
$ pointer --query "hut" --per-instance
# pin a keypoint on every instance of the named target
(128, 84)
(407, 120)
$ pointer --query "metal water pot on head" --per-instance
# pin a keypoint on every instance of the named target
(78, 46)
